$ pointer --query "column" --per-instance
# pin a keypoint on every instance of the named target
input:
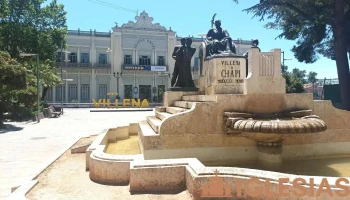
(153, 85)
(121, 88)
(66, 90)
(78, 56)
(136, 60)
(111, 83)
(93, 84)
(166, 59)
(93, 51)
(154, 57)
(79, 88)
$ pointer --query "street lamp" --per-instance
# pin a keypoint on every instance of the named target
(283, 59)
(38, 76)
(119, 75)
(62, 77)
(66, 80)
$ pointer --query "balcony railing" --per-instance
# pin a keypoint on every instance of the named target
(89, 33)
(85, 65)
(105, 66)
(73, 65)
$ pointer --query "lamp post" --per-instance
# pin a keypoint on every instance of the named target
(283, 59)
(119, 75)
(65, 60)
(38, 77)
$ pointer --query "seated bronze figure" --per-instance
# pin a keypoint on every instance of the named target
(218, 41)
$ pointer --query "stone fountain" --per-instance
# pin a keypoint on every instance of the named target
(238, 112)
(269, 130)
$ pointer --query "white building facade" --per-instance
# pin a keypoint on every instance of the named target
(134, 60)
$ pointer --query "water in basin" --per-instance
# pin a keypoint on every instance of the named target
(124, 147)
(335, 166)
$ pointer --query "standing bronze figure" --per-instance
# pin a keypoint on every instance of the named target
(182, 70)
(177, 61)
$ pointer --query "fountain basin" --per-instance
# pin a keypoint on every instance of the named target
(162, 175)
(272, 128)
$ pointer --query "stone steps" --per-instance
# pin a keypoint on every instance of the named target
(154, 122)
(184, 104)
(199, 98)
(160, 109)
(146, 129)
(174, 110)
(162, 115)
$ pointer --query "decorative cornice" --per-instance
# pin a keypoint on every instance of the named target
(143, 22)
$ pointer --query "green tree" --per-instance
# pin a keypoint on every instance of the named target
(48, 74)
(12, 79)
(30, 27)
(300, 74)
(284, 68)
(312, 79)
(318, 26)
(294, 84)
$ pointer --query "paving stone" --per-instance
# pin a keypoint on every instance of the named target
(22, 156)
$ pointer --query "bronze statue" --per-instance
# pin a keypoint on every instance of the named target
(255, 44)
(177, 61)
(182, 70)
(218, 40)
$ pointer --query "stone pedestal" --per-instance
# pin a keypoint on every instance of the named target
(225, 75)
(200, 84)
(183, 89)
(270, 154)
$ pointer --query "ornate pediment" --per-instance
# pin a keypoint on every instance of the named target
(143, 22)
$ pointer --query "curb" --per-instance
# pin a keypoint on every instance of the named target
(26, 186)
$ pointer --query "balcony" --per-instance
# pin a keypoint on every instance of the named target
(89, 33)
(102, 66)
(85, 65)
(73, 65)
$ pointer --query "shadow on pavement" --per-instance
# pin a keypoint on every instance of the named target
(10, 128)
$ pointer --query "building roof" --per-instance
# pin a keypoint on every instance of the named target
(143, 22)
(308, 88)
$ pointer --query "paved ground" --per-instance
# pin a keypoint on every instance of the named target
(29, 146)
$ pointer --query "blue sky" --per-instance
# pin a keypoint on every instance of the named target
(190, 17)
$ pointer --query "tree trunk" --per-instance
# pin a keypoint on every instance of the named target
(44, 93)
(2, 125)
(341, 57)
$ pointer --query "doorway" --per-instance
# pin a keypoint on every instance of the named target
(145, 92)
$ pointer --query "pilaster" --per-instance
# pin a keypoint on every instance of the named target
(78, 55)
(66, 91)
(79, 89)
(94, 85)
